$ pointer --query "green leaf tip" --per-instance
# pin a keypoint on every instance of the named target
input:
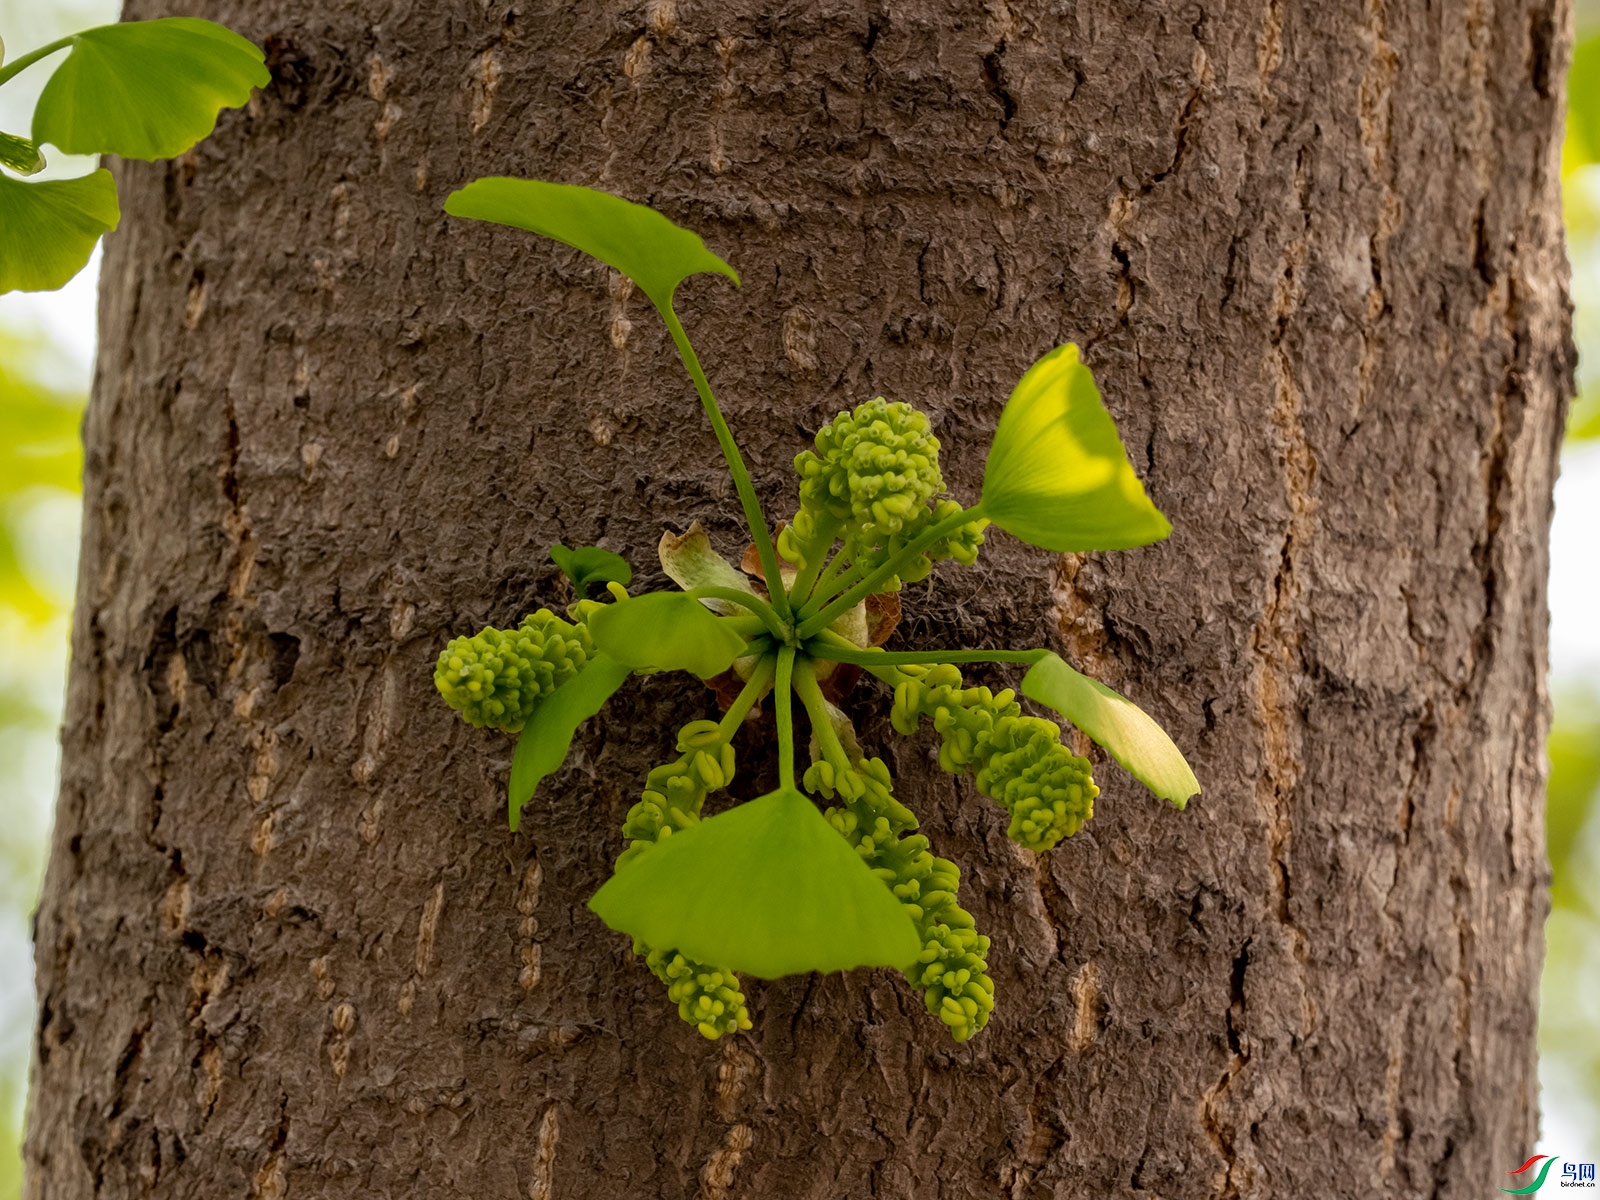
(768, 888)
(666, 631)
(638, 241)
(146, 89)
(590, 564)
(1128, 733)
(548, 733)
(48, 230)
(1057, 475)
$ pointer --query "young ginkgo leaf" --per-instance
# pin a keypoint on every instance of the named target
(48, 230)
(590, 564)
(769, 888)
(146, 89)
(638, 241)
(666, 631)
(1125, 730)
(547, 735)
(690, 562)
(20, 155)
(1057, 475)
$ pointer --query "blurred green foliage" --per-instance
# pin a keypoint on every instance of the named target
(1580, 177)
(40, 459)
(1569, 1033)
(39, 448)
(1569, 1026)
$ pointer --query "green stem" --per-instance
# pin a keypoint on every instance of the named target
(17, 65)
(761, 644)
(816, 556)
(827, 583)
(805, 686)
(730, 451)
(754, 689)
(746, 600)
(872, 582)
(827, 589)
(785, 716)
(866, 658)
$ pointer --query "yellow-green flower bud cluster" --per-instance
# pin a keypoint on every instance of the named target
(1045, 787)
(961, 545)
(674, 793)
(707, 997)
(952, 971)
(1018, 761)
(497, 677)
(872, 470)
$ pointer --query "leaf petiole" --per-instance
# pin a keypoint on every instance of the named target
(843, 604)
(18, 65)
(836, 579)
(745, 600)
(760, 680)
(837, 649)
(816, 554)
(762, 644)
(730, 451)
(805, 686)
(828, 582)
(785, 716)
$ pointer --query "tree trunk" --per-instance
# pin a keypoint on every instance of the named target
(1313, 253)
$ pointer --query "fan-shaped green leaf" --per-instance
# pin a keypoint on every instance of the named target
(1057, 474)
(769, 888)
(146, 89)
(666, 631)
(638, 241)
(1127, 732)
(547, 736)
(48, 230)
(590, 564)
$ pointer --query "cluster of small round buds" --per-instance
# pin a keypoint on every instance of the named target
(872, 469)
(1019, 760)
(951, 971)
(796, 538)
(962, 544)
(708, 998)
(1046, 788)
(674, 793)
(496, 677)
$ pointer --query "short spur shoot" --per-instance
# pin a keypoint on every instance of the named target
(777, 885)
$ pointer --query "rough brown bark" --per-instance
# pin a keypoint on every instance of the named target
(1313, 252)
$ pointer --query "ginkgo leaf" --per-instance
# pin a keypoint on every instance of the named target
(1128, 733)
(547, 736)
(768, 888)
(146, 89)
(1057, 475)
(590, 564)
(666, 631)
(48, 230)
(690, 562)
(638, 241)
